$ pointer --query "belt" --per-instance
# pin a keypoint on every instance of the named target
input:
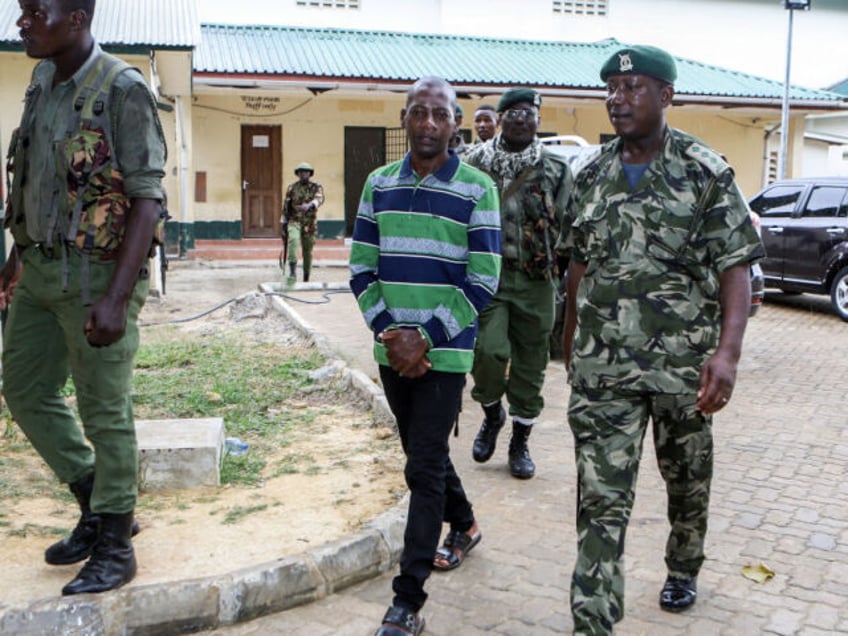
(49, 250)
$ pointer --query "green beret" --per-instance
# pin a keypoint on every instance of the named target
(459, 110)
(641, 60)
(515, 95)
(304, 166)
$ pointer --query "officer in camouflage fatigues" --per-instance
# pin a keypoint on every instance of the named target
(515, 327)
(300, 215)
(658, 294)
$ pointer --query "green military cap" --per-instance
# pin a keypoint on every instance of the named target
(304, 166)
(641, 60)
(519, 94)
(459, 110)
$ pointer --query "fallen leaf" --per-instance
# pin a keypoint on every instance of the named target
(758, 573)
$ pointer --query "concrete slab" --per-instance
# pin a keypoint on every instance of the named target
(179, 453)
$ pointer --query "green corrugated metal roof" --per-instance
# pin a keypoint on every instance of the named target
(403, 57)
(840, 87)
(145, 24)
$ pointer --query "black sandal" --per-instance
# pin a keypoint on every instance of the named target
(456, 540)
(401, 622)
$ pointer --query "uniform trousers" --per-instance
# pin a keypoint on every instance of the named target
(299, 239)
(44, 344)
(515, 329)
(425, 409)
(609, 429)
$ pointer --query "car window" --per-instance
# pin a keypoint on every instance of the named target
(777, 201)
(826, 201)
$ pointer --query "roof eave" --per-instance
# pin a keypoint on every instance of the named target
(116, 49)
(272, 81)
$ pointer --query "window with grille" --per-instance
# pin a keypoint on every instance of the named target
(329, 4)
(396, 144)
(581, 7)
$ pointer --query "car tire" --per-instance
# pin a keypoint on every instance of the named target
(839, 293)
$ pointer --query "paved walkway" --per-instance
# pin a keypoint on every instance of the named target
(780, 497)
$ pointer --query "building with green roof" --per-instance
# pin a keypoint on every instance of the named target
(259, 100)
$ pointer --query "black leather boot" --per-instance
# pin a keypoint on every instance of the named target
(305, 275)
(677, 594)
(112, 563)
(292, 270)
(487, 437)
(79, 544)
(520, 464)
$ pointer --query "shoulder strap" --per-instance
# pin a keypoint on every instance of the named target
(513, 187)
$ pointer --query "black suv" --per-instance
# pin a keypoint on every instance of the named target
(804, 225)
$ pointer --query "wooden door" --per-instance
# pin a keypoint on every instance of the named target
(261, 185)
(365, 149)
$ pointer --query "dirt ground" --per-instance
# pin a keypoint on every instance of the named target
(355, 474)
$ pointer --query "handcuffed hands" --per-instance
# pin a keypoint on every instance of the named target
(406, 350)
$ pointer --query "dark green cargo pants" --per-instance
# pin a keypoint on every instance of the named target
(515, 329)
(44, 343)
(608, 430)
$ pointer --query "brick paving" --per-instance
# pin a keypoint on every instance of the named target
(780, 498)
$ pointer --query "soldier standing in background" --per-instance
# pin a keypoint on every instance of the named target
(457, 141)
(300, 217)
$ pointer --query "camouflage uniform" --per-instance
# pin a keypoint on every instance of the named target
(302, 226)
(648, 318)
(516, 325)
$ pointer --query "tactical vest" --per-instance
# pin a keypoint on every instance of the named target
(89, 206)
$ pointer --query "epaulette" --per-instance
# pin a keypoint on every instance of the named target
(707, 157)
(584, 158)
(586, 169)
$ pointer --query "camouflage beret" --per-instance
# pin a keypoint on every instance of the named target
(304, 166)
(515, 95)
(641, 60)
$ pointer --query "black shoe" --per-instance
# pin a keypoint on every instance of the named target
(112, 562)
(79, 545)
(520, 464)
(678, 595)
(487, 437)
(399, 621)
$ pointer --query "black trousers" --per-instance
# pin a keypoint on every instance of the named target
(425, 409)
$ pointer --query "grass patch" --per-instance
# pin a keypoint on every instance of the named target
(240, 512)
(212, 373)
(216, 374)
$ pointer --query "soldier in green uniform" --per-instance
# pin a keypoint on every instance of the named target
(300, 215)
(457, 140)
(515, 327)
(86, 199)
(658, 290)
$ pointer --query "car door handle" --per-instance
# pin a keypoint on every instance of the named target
(775, 230)
(836, 231)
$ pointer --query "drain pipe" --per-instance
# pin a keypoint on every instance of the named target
(183, 242)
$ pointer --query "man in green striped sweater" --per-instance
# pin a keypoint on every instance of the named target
(424, 262)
